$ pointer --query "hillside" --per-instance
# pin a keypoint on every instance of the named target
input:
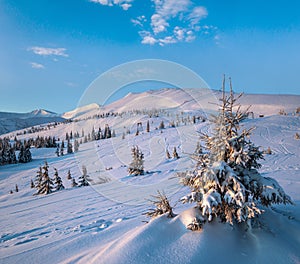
(189, 100)
(104, 222)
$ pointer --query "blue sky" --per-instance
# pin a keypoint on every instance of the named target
(50, 51)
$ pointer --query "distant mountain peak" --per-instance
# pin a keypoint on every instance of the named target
(42, 113)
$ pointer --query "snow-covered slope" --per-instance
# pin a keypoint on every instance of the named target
(189, 100)
(15, 121)
(103, 223)
(81, 111)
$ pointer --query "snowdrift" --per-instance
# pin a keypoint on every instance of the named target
(274, 239)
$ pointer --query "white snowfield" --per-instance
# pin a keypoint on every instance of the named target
(104, 223)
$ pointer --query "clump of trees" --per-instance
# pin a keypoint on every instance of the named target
(44, 183)
(8, 154)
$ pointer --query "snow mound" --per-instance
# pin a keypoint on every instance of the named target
(275, 239)
(81, 111)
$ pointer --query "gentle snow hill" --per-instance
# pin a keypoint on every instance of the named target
(16, 121)
(189, 100)
(81, 111)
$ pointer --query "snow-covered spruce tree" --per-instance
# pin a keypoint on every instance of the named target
(32, 184)
(12, 156)
(45, 185)
(161, 125)
(83, 179)
(226, 182)
(76, 145)
(57, 181)
(27, 154)
(62, 148)
(69, 147)
(175, 154)
(74, 183)
(69, 177)
(168, 156)
(38, 179)
(136, 167)
(57, 151)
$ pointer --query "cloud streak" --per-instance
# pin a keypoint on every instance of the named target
(36, 65)
(124, 4)
(42, 51)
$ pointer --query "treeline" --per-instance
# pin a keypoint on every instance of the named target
(8, 152)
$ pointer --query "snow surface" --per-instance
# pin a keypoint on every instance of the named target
(103, 223)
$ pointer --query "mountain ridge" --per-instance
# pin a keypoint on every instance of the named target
(191, 99)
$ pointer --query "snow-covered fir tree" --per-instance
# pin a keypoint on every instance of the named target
(38, 178)
(16, 188)
(74, 183)
(6, 154)
(12, 156)
(136, 167)
(76, 145)
(69, 147)
(161, 125)
(226, 182)
(32, 184)
(28, 156)
(83, 179)
(69, 177)
(57, 181)
(24, 155)
(175, 154)
(45, 185)
(62, 148)
(168, 156)
(107, 132)
(57, 151)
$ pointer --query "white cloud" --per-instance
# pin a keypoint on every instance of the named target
(171, 8)
(158, 24)
(172, 21)
(139, 21)
(198, 13)
(179, 33)
(36, 65)
(149, 40)
(167, 40)
(49, 51)
(124, 4)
